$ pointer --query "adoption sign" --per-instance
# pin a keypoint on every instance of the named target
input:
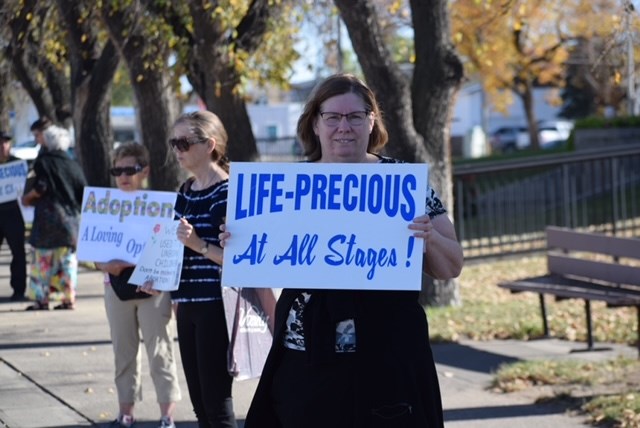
(161, 259)
(115, 224)
(13, 176)
(324, 226)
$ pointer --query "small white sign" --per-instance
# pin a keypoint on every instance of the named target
(324, 226)
(13, 176)
(115, 224)
(161, 259)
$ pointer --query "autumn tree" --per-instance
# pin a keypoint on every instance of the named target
(595, 77)
(225, 44)
(36, 49)
(417, 109)
(514, 46)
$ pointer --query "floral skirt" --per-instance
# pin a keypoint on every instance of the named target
(54, 275)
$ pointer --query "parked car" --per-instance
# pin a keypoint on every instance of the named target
(551, 134)
(505, 139)
(27, 150)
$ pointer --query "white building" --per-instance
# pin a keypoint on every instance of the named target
(274, 125)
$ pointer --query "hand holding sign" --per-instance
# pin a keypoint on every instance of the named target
(161, 260)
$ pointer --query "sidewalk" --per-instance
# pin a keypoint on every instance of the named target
(56, 370)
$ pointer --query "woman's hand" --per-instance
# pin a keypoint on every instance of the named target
(423, 229)
(223, 235)
(30, 198)
(187, 235)
(147, 287)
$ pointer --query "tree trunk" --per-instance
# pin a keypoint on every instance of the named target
(146, 57)
(436, 78)
(526, 96)
(92, 73)
(26, 60)
(5, 87)
(216, 88)
(216, 81)
(385, 78)
(417, 116)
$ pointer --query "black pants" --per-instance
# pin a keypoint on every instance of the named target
(203, 341)
(12, 229)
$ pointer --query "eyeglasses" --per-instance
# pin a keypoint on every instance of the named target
(182, 144)
(126, 170)
(355, 118)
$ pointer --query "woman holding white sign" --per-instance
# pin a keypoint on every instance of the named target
(345, 358)
(131, 312)
(199, 143)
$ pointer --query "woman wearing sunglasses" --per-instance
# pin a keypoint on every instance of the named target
(130, 313)
(199, 143)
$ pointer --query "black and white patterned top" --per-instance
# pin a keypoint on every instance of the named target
(205, 210)
(345, 330)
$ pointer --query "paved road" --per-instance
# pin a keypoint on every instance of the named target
(56, 370)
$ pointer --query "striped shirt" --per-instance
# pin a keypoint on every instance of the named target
(205, 210)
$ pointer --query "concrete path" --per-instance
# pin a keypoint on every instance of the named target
(56, 370)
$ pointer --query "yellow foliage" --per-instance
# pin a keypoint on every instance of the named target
(525, 38)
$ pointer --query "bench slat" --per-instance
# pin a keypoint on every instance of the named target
(574, 289)
(610, 272)
(566, 239)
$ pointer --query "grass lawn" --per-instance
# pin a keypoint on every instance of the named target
(608, 392)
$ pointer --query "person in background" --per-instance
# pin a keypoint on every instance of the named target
(56, 195)
(344, 358)
(130, 312)
(37, 129)
(12, 229)
(199, 143)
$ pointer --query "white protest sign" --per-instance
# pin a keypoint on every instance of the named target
(161, 259)
(324, 226)
(115, 224)
(13, 176)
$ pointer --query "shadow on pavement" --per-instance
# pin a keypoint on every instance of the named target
(500, 412)
(468, 358)
(32, 345)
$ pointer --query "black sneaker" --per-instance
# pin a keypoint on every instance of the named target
(15, 297)
(123, 421)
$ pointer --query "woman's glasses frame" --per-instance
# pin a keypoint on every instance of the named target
(183, 144)
(354, 118)
(117, 171)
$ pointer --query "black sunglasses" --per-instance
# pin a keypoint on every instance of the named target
(117, 171)
(183, 144)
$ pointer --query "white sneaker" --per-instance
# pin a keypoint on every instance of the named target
(166, 422)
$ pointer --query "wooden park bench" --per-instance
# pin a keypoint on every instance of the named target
(587, 266)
